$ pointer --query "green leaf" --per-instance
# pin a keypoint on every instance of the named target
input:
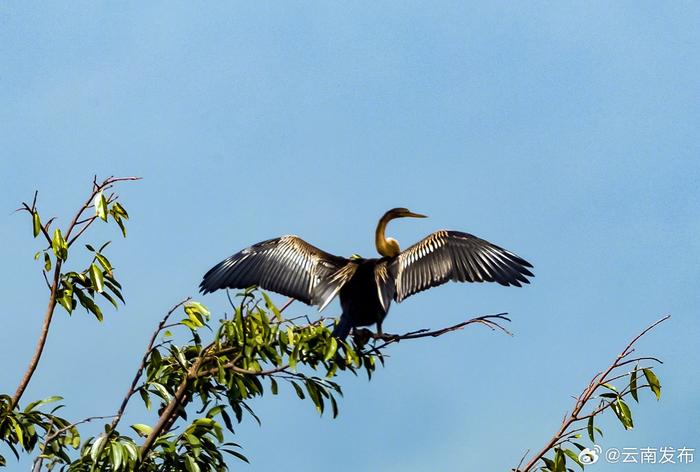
(89, 304)
(300, 392)
(215, 411)
(161, 391)
(97, 447)
(633, 385)
(113, 288)
(590, 427)
(142, 430)
(270, 306)
(197, 313)
(119, 213)
(97, 279)
(104, 262)
(119, 210)
(293, 358)
(573, 456)
(116, 455)
(47, 262)
(75, 442)
(121, 226)
(227, 420)
(237, 454)
(101, 206)
(559, 461)
(145, 397)
(549, 463)
(623, 413)
(37, 403)
(36, 223)
(191, 465)
(113, 281)
(332, 348)
(653, 381)
(334, 407)
(18, 432)
(314, 394)
(65, 296)
(59, 245)
(132, 450)
(110, 299)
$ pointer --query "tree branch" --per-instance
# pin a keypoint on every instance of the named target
(166, 418)
(144, 360)
(42, 337)
(491, 321)
(584, 398)
(34, 362)
(50, 437)
(169, 413)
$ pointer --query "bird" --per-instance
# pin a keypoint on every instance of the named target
(290, 266)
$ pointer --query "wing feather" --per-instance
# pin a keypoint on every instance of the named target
(287, 265)
(453, 255)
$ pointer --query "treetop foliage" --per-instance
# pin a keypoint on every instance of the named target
(200, 372)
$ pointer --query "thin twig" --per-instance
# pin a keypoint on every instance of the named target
(286, 305)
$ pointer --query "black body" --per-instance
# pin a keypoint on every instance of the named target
(359, 299)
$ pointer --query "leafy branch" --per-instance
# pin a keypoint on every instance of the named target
(589, 405)
(63, 287)
(256, 345)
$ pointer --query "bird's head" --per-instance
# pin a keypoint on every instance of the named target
(401, 213)
(389, 247)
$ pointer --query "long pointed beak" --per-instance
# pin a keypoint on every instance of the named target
(415, 215)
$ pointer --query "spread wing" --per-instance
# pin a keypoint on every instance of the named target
(452, 255)
(287, 265)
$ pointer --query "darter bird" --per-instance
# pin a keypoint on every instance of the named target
(292, 267)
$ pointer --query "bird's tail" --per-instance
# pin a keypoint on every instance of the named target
(342, 329)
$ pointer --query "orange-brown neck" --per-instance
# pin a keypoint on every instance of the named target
(387, 247)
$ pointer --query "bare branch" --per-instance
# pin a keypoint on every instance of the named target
(491, 321)
(41, 342)
(286, 305)
(637, 359)
(36, 194)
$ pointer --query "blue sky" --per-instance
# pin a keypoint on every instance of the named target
(566, 132)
